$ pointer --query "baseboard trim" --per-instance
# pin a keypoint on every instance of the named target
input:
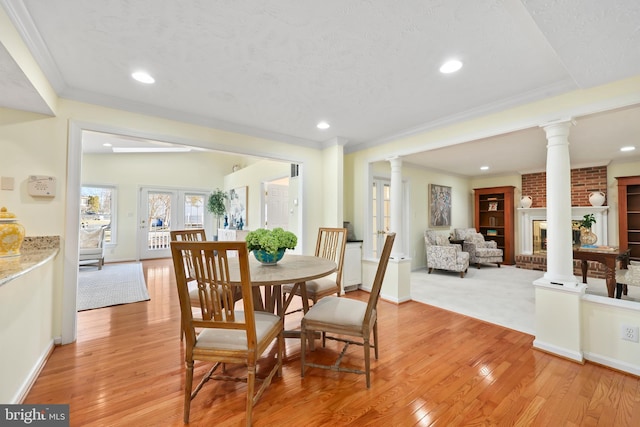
(613, 363)
(22, 392)
(576, 356)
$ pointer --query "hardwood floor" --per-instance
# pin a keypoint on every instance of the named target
(435, 368)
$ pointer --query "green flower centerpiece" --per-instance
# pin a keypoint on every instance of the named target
(268, 246)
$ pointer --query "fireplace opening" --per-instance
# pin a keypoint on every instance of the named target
(540, 235)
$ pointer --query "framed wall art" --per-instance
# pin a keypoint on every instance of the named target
(439, 206)
(238, 207)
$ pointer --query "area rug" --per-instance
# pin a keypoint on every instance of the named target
(113, 285)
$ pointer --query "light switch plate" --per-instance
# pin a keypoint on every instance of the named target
(7, 183)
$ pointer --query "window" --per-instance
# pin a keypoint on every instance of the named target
(97, 203)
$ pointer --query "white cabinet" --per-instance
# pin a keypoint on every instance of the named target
(228, 235)
(352, 267)
(231, 235)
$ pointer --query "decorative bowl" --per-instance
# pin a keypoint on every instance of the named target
(266, 258)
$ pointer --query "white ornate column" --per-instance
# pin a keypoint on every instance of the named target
(396, 206)
(559, 238)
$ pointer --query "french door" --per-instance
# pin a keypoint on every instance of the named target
(381, 213)
(162, 210)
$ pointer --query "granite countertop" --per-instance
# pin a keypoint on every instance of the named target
(34, 252)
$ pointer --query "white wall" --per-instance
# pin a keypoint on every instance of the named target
(129, 172)
(26, 331)
(253, 177)
(602, 320)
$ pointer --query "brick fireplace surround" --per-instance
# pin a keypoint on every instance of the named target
(583, 182)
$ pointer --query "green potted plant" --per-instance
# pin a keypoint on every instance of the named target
(217, 206)
(587, 221)
(587, 238)
(268, 246)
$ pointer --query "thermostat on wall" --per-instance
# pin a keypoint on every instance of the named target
(43, 186)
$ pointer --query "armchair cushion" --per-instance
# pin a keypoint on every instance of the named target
(91, 237)
(91, 244)
(463, 233)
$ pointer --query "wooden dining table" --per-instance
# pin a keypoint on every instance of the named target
(292, 269)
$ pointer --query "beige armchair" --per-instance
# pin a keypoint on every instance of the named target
(629, 276)
(91, 244)
(480, 251)
(443, 255)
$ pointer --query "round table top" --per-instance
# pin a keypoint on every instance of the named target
(290, 269)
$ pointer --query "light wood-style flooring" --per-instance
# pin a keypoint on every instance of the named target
(435, 368)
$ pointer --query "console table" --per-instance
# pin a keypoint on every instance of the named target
(608, 258)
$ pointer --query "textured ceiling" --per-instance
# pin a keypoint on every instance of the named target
(370, 68)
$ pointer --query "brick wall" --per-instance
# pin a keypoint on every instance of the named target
(539, 262)
(584, 181)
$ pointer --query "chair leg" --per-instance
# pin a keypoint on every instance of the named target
(303, 347)
(188, 383)
(430, 270)
(251, 380)
(375, 339)
(462, 274)
(367, 360)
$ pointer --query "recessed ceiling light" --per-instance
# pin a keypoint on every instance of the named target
(106, 144)
(143, 77)
(484, 168)
(628, 148)
(323, 125)
(450, 66)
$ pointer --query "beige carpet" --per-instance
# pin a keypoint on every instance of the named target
(503, 296)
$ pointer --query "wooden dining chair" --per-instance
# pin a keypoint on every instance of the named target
(226, 336)
(194, 235)
(330, 244)
(346, 316)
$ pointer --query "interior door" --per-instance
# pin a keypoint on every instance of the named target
(277, 206)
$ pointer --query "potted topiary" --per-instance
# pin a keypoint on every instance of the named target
(216, 205)
(268, 246)
(587, 221)
(587, 238)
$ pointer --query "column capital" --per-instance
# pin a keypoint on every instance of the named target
(395, 161)
(558, 127)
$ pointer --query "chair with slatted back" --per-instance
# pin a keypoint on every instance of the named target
(194, 235)
(189, 235)
(336, 317)
(226, 336)
(330, 244)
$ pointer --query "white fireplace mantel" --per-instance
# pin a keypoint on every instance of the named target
(528, 215)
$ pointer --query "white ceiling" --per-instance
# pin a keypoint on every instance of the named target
(369, 68)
